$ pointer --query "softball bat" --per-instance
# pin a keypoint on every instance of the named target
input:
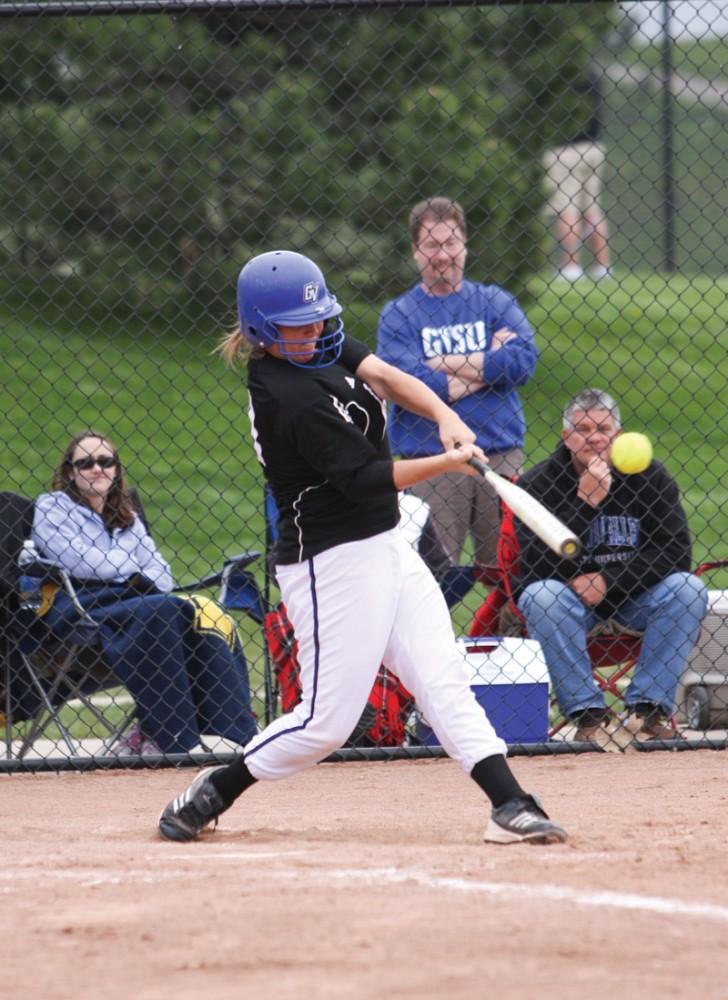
(534, 515)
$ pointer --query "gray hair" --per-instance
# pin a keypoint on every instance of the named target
(590, 399)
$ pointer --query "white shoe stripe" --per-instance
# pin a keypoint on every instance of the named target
(524, 820)
(181, 801)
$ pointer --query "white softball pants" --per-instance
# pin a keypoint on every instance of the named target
(354, 607)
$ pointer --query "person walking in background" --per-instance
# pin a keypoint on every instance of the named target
(635, 568)
(356, 592)
(179, 657)
(574, 171)
(473, 346)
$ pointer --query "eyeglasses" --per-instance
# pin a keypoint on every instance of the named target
(86, 464)
(453, 246)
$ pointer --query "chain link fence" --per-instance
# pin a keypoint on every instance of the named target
(147, 152)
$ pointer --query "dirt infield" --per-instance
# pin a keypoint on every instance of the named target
(370, 880)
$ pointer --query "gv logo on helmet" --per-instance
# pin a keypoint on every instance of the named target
(310, 291)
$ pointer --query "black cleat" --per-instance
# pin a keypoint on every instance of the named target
(520, 821)
(188, 815)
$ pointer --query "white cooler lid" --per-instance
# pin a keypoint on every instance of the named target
(718, 601)
(504, 660)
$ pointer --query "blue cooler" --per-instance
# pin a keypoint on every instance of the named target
(510, 680)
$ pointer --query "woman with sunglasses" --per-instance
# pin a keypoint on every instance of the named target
(180, 658)
(356, 592)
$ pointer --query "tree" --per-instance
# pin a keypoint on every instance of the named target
(150, 156)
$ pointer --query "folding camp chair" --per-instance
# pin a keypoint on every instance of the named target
(59, 672)
(40, 674)
(16, 518)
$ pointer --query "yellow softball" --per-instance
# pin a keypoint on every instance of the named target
(631, 452)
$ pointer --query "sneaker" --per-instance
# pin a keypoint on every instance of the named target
(599, 273)
(522, 820)
(217, 744)
(590, 725)
(653, 728)
(198, 806)
(571, 272)
(588, 732)
(148, 747)
(611, 733)
(134, 744)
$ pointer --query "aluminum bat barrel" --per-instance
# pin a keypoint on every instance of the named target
(532, 512)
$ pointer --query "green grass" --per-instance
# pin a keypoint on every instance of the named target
(178, 417)
(660, 347)
(657, 344)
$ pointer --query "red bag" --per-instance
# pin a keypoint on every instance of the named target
(283, 649)
(390, 703)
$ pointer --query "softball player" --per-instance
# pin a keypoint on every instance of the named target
(356, 592)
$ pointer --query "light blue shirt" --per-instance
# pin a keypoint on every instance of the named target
(76, 538)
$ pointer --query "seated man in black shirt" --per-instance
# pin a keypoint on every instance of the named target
(635, 569)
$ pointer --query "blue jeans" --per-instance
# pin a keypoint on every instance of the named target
(185, 681)
(669, 615)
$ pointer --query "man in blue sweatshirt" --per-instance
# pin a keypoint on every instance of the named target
(471, 344)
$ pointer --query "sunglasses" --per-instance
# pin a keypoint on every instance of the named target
(86, 464)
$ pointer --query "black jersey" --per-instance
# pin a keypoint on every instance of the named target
(320, 434)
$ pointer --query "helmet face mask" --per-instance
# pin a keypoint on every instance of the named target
(283, 288)
(322, 350)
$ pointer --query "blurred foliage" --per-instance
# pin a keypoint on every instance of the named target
(150, 156)
(542, 55)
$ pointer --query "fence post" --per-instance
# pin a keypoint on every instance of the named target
(668, 157)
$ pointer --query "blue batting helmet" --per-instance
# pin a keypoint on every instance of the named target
(283, 287)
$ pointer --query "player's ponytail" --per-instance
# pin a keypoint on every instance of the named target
(233, 348)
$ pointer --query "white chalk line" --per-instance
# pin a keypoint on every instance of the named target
(606, 899)
(103, 876)
(92, 877)
(516, 890)
(205, 855)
